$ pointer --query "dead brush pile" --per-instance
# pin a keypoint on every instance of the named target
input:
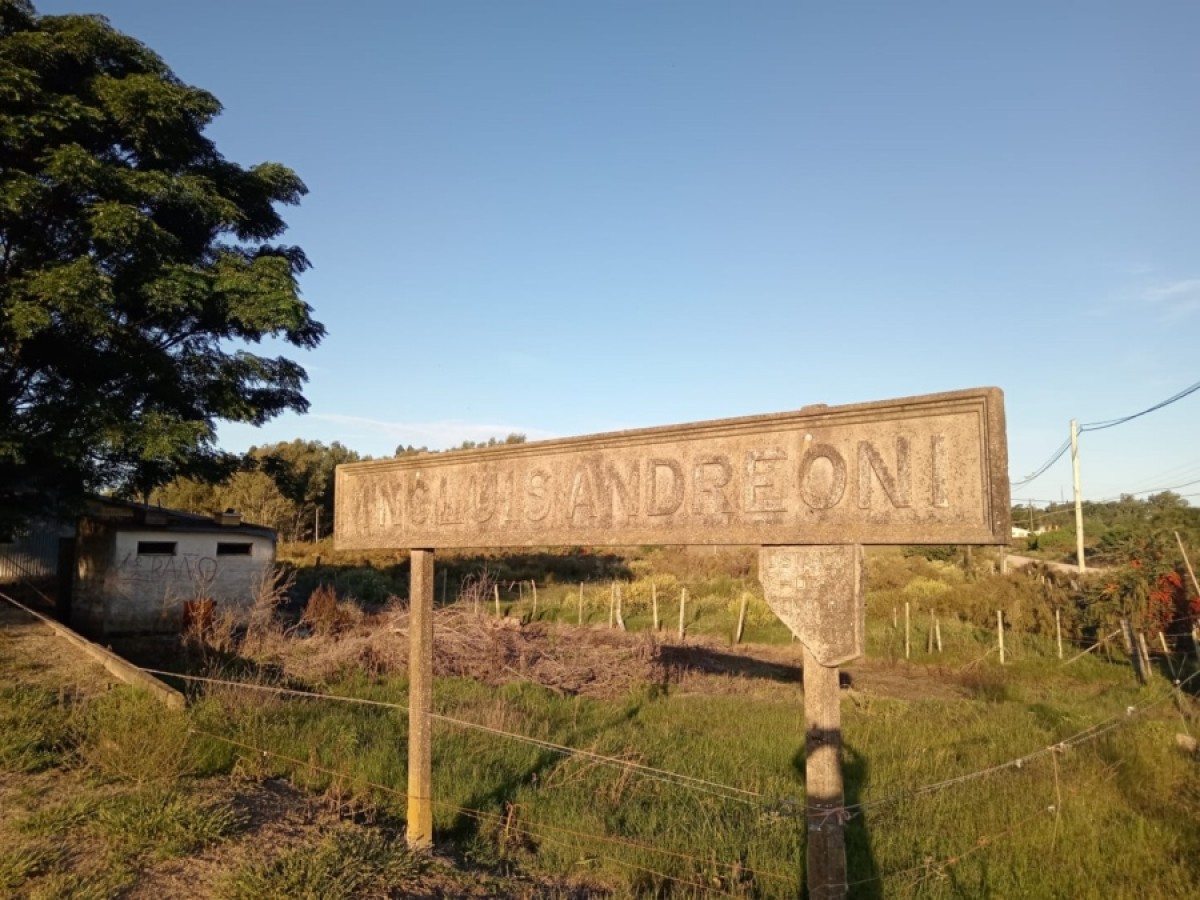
(567, 660)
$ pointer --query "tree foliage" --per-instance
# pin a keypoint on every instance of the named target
(513, 438)
(137, 265)
(287, 486)
(1133, 551)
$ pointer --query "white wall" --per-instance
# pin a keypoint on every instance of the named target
(145, 591)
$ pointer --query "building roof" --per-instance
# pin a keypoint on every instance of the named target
(134, 516)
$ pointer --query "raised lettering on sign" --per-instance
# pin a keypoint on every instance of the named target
(914, 471)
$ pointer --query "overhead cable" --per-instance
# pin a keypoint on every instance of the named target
(1097, 426)
(1054, 457)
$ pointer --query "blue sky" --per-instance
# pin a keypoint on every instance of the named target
(565, 218)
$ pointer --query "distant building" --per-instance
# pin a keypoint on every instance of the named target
(130, 568)
(1019, 532)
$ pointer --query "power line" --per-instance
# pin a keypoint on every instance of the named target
(1113, 498)
(1183, 470)
(1099, 426)
(1054, 457)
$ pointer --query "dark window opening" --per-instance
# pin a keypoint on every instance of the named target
(156, 548)
(233, 549)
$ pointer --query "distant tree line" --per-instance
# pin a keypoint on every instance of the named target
(287, 486)
(514, 438)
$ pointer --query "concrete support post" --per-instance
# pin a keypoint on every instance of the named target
(823, 781)
(420, 700)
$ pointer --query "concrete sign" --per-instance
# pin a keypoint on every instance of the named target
(922, 470)
(819, 593)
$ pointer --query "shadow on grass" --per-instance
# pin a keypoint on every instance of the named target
(677, 659)
(862, 874)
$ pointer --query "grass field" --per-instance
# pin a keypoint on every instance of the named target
(964, 778)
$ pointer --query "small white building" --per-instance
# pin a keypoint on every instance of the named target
(136, 566)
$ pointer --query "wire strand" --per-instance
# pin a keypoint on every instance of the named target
(1111, 423)
(1054, 457)
(496, 817)
(1090, 733)
(714, 788)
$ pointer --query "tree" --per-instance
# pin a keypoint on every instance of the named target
(303, 471)
(514, 437)
(136, 267)
(279, 485)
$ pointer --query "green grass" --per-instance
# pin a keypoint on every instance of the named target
(1047, 828)
(1112, 816)
(347, 863)
(164, 823)
(36, 728)
(23, 862)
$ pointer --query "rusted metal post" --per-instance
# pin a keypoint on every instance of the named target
(420, 700)
(826, 866)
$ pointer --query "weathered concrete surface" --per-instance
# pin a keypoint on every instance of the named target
(818, 592)
(930, 469)
(113, 664)
(133, 577)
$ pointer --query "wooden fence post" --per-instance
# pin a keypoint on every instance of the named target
(682, 611)
(620, 607)
(1000, 633)
(907, 631)
(741, 625)
(420, 699)
(1058, 631)
(496, 596)
(654, 603)
(1135, 653)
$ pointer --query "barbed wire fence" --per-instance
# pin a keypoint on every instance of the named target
(784, 809)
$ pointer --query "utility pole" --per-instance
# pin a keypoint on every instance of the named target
(1078, 495)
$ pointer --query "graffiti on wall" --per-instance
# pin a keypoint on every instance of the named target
(194, 568)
